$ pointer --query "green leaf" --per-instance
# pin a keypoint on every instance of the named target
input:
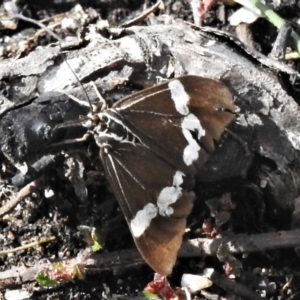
(44, 281)
(96, 246)
(94, 238)
(148, 295)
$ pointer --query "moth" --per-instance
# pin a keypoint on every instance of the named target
(152, 143)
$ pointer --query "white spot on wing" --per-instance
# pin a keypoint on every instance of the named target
(179, 96)
(189, 124)
(167, 196)
(191, 151)
(142, 219)
(170, 195)
(178, 179)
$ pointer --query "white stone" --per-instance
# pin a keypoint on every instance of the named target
(17, 294)
(195, 283)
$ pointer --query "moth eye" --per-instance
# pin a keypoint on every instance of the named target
(103, 118)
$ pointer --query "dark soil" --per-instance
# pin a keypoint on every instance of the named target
(54, 208)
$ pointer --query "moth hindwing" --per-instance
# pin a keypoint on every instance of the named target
(151, 144)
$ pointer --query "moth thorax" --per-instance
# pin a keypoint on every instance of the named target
(111, 130)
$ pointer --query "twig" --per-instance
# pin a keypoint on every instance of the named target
(23, 193)
(242, 243)
(143, 16)
(231, 286)
(98, 262)
(27, 246)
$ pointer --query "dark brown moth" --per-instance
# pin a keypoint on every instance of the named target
(152, 143)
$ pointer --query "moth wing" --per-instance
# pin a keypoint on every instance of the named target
(153, 199)
(179, 120)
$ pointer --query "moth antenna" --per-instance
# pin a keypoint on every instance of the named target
(13, 14)
(29, 20)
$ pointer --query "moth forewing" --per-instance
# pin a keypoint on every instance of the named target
(180, 120)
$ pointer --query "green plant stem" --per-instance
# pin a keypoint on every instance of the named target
(276, 20)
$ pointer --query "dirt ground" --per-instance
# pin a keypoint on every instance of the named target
(56, 202)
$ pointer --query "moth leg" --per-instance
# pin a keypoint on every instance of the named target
(80, 102)
(83, 139)
(240, 140)
(101, 99)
